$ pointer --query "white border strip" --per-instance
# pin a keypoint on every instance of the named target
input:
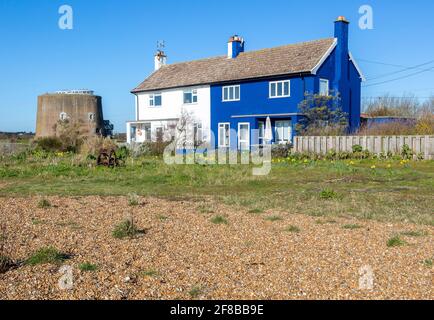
(357, 67)
(325, 56)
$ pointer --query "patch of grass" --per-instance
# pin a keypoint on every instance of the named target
(36, 221)
(125, 229)
(133, 199)
(328, 194)
(256, 211)
(428, 263)
(87, 266)
(293, 229)
(149, 273)
(162, 217)
(352, 226)
(219, 220)
(362, 195)
(395, 241)
(415, 234)
(205, 209)
(48, 255)
(44, 204)
(195, 292)
(274, 218)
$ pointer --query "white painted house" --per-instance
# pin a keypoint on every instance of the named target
(158, 112)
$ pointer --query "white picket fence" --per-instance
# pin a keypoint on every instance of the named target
(376, 144)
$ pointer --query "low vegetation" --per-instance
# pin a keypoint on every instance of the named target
(195, 292)
(88, 267)
(274, 218)
(47, 255)
(357, 183)
(293, 229)
(133, 199)
(351, 226)
(395, 241)
(219, 220)
(44, 204)
(125, 229)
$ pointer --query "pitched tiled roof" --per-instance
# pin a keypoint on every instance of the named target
(285, 60)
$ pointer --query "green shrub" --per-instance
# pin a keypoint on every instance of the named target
(133, 199)
(280, 151)
(219, 220)
(126, 229)
(48, 255)
(357, 148)
(44, 204)
(49, 144)
(122, 153)
(406, 152)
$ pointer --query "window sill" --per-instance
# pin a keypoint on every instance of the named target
(280, 97)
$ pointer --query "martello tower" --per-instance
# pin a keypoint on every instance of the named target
(76, 106)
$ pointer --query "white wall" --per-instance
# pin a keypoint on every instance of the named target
(172, 106)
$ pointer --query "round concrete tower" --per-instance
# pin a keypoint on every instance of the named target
(76, 106)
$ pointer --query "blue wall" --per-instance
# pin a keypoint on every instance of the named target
(254, 95)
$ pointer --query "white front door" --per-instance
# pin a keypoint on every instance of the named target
(283, 131)
(244, 136)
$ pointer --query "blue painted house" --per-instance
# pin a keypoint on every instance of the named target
(231, 97)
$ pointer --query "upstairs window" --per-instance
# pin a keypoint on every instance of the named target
(231, 93)
(280, 89)
(190, 96)
(155, 100)
(324, 87)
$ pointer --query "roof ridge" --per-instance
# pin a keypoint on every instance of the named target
(248, 52)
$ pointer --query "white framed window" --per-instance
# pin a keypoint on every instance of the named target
(198, 133)
(243, 136)
(283, 131)
(231, 93)
(261, 132)
(280, 89)
(63, 116)
(324, 89)
(148, 132)
(224, 135)
(190, 96)
(155, 100)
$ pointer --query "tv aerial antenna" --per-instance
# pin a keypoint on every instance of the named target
(161, 45)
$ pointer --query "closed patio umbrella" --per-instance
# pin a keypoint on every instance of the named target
(268, 131)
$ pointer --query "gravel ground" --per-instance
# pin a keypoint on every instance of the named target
(250, 257)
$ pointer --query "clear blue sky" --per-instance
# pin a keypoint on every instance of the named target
(111, 47)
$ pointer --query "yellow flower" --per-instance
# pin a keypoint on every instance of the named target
(306, 161)
(373, 167)
(352, 163)
(389, 166)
